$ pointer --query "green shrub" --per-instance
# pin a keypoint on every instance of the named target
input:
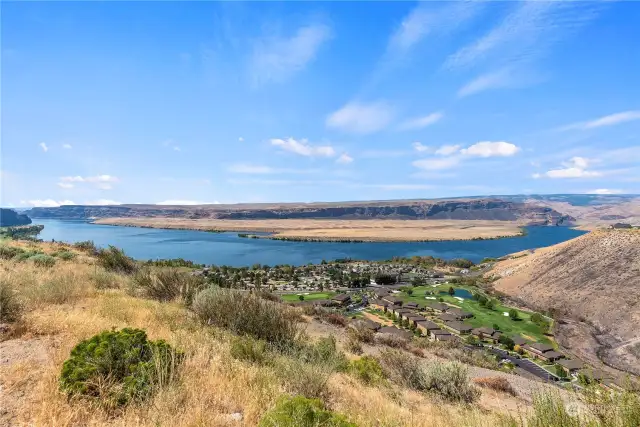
(307, 379)
(450, 380)
(367, 369)
(249, 349)
(42, 260)
(10, 308)
(118, 367)
(86, 245)
(324, 352)
(65, 255)
(359, 331)
(103, 279)
(8, 252)
(299, 411)
(114, 259)
(167, 284)
(403, 369)
(247, 314)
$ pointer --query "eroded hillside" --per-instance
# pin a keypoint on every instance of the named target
(594, 282)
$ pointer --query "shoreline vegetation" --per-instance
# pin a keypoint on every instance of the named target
(343, 230)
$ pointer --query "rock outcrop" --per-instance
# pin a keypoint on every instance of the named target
(9, 218)
(463, 209)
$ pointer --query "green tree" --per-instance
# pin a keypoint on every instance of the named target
(507, 342)
(301, 297)
(560, 372)
(452, 291)
(513, 314)
(491, 303)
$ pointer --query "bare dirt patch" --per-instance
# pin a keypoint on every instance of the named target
(324, 229)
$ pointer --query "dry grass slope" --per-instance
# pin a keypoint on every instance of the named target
(594, 278)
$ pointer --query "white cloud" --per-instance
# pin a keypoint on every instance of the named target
(67, 146)
(344, 159)
(385, 154)
(492, 80)
(44, 147)
(610, 120)
(240, 139)
(176, 148)
(46, 203)
(361, 118)
(185, 203)
(423, 20)
(531, 29)
(436, 164)
(303, 148)
(275, 59)
(250, 169)
(447, 150)
(422, 122)
(491, 149)
(605, 191)
(420, 148)
(65, 185)
(102, 202)
(103, 182)
(576, 167)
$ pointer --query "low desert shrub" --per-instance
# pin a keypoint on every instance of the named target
(8, 252)
(359, 331)
(247, 314)
(103, 279)
(248, 349)
(550, 411)
(391, 340)
(323, 352)
(495, 383)
(167, 284)
(42, 260)
(450, 380)
(403, 369)
(65, 255)
(57, 289)
(86, 245)
(367, 369)
(307, 379)
(114, 368)
(10, 307)
(300, 411)
(114, 259)
(335, 319)
(353, 345)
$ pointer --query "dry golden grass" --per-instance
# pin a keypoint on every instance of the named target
(212, 384)
(327, 229)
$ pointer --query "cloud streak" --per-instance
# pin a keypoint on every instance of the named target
(610, 120)
(360, 118)
(302, 147)
(422, 122)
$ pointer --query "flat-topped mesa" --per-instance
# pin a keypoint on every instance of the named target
(457, 209)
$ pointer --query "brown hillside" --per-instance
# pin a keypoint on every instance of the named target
(593, 279)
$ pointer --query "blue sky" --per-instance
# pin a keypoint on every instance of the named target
(203, 102)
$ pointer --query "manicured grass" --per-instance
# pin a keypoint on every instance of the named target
(312, 296)
(482, 316)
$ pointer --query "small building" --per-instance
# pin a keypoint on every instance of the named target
(341, 299)
(542, 351)
(381, 293)
(323, 303)
(446, 338)
(378, 305)
(486, 333)
(460, 327)
(571, 366)
(392, 301)
(518, 340)
(619, 225)
(414, 319)
(446, 317)
(438, 334)
(438, 307)
(551, 356)
(412, 305)
(367, 323)
(460, 314)
(426, 327)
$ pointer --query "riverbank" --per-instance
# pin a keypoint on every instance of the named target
(321, 230)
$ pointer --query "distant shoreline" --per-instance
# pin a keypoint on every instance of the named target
(331, 230)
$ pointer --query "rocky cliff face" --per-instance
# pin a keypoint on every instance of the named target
(481, 209)
(10, 217)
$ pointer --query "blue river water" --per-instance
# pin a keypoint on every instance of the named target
(229, 249)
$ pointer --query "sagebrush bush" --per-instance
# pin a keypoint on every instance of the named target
(86, 245)
(8, 252)
(247, 314)
(403, 368)
(168, 284)
(300, 411)
(248, 349)
(65, 255)
(42, 260)
(114, 259)
(117, 367)
(325, 352)
(103, 279)
(367, 369)
(359, 331)
(307, 379)
(353, 345)
(450, 380)
(391, 340)
(10, 307)
(495, 383)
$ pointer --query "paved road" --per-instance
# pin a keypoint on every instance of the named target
(525, 364)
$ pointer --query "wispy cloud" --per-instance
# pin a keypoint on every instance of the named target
(103, 182)
(65, 185)
(44, 147)
(67, 146)
(361, 118)
(610, 120)
(453, 155)
(420, 148)
(436, 164)
(46, 203)
(303, 147)
(491, 149)
(605, 191)
(576, 167)
(250, 169)
(344, 159)
(277, 58)
(385, 154)
(447, 150)
(422, 122)
(102, 202)
(186, 202)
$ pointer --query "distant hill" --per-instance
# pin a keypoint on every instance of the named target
(10, 217)
(462, 209)
(593, 282)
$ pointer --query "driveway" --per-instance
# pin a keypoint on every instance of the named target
(525, 364)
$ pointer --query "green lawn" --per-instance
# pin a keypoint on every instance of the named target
(311, 297)
(481, 315)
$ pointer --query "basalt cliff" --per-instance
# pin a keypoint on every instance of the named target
(460, 209)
